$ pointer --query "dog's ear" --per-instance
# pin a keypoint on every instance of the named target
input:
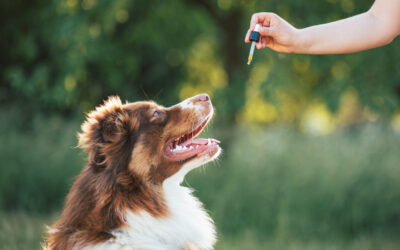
(106, 131)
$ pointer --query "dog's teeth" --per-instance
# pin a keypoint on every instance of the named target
(178, 147)
(208, 141)
(197, 146)
(190, 147)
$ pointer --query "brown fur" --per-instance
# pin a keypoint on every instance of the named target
(125, 170)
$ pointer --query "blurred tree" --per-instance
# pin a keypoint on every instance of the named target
(61, 55)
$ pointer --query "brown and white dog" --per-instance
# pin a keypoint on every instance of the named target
(129, 194)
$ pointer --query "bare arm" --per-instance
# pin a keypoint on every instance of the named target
(376, 27)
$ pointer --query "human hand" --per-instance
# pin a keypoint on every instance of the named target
(275, 32)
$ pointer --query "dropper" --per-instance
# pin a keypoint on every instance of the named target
(254, 37)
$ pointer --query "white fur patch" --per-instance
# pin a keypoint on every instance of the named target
(189, 104)
(52, 230)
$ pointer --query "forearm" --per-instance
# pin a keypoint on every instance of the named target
(357, 33)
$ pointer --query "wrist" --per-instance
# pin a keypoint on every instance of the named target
(302, 42)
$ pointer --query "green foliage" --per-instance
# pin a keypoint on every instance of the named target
(64, 55)
(69, 53)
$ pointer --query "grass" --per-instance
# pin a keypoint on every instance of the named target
(286, 185)
(20, 231)
(362, 243)
(38, 162)
(273, 188)
(23, 231)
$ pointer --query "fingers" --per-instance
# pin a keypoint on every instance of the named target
(247, 37)
(268, 42)
(267, 31)
(262, 18)
(261, 44)
(254, 20)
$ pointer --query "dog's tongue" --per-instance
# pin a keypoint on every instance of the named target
(191, 148)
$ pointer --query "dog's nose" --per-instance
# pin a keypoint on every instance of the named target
(201, 98)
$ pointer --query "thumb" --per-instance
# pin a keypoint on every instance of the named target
(267, 31)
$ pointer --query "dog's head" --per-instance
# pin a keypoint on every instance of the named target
(146, 140)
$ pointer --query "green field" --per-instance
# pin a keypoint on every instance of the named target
(21, 231)
(272, 188)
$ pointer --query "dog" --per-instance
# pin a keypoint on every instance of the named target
(128, 196)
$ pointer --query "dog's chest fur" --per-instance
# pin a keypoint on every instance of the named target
(187, 224)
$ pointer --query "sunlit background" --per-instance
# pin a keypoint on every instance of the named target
(311, 143)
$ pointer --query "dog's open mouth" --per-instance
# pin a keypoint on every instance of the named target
(186, 147)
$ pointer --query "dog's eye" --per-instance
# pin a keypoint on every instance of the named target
(157, 116)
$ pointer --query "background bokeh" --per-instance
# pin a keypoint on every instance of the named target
(311, 143)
